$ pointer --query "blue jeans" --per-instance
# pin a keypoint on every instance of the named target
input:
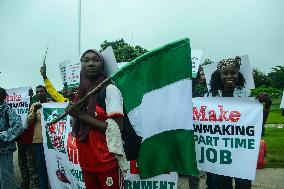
(41, 166)
(7, 172)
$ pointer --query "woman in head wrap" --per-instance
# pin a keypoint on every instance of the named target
(100, 167)
(227, 81)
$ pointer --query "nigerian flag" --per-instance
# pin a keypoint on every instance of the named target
(156, 89)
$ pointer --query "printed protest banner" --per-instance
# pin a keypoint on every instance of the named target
(19, 100)
(195, 59)
(227, 134)
(62, 70)
(60, 149)
(73, 68)
(164, 181)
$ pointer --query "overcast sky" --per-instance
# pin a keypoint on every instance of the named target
(222, 28)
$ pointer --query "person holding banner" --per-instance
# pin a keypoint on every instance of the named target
(34, 117)
(10, 128)
(227, 81)
(26, 154)
(99, 113)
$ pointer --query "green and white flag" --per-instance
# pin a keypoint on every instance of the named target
(156, 89)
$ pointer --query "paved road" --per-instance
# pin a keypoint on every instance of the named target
(265, 178)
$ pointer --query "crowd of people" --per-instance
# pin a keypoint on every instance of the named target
(91, 121)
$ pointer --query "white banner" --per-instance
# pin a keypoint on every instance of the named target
(19, 100)
(282, 101)
(60, 149)
(73, 68)
(227, 135)
(62, 70)
(133, 180)
(62, 158)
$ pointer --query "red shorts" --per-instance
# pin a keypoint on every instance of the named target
(110, 179)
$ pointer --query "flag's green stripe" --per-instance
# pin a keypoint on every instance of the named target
(168, 151)
(153, 70)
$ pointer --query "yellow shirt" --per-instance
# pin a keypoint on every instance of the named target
(53, 92)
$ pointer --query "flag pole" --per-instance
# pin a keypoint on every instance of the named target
(92, 92)
(79, 27)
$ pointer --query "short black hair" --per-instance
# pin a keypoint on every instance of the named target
(216, 84)
(41, 86)
(3, 93)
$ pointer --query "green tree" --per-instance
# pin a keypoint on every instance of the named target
(206, 61)
(123, 51)
(260, 79)
(276, 77)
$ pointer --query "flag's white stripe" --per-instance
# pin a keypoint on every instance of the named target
(164, 109)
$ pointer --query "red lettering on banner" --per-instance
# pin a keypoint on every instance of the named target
(57, 142)
(197, 114)
(235, 116)
(61, 128)
(72, 149)
(51, 129)
(224, 115)
(13, 97)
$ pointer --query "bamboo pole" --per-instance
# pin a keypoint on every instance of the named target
(92, 92)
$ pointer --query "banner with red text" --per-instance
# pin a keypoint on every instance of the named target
(60, 149)
(227, 134)
(19, 100)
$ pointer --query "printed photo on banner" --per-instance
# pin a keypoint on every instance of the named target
(133, 180)
(227, 135)
(60, 148)
(245, 70)
(19, 100)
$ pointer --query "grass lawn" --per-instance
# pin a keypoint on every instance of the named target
(274, 138)
(275, 116)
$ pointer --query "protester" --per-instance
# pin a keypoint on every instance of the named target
(261, 161)
(10, 127)
(34, 117)
(199, 89)
(227, 81)
(50, 88)
(26, 155)
(92, 119)
(199, 86)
